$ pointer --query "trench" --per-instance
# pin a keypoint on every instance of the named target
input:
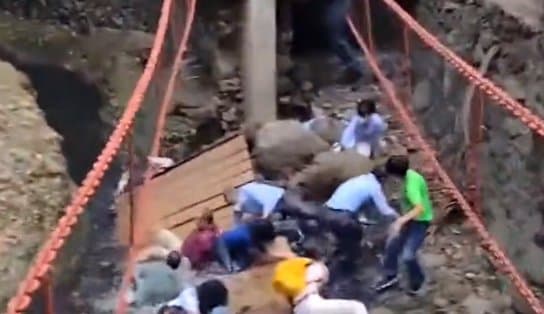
(71, 104)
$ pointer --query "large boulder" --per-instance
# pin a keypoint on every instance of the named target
(284, 146)
(329, 129)
(328, 170)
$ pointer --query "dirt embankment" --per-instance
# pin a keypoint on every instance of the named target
(512, 154)
(34, 185)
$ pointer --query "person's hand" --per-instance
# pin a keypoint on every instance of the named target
(395, 227)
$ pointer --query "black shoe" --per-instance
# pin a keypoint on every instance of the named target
(350, 77)
(386, 283)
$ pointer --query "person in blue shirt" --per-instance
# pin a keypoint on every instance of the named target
(258, 200)
(254, 200)
(343, 208)
(246, 243)
(365, 130)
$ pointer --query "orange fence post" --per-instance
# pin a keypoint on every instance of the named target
(131, 186)
(474, 170)
(407, 63)
(48, 295)
(368, 24)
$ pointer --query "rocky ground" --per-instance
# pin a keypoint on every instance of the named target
(34, 186)
(511, 170)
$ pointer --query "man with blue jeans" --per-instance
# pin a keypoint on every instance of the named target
(408, 231)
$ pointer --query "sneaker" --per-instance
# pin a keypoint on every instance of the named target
(386, 283)
(415, 292)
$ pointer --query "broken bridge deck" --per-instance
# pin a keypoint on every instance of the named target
(177, 197)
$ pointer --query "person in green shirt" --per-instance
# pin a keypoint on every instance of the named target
(409, 230)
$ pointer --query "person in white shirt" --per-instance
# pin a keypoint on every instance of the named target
(342, 210)
(365, 131)
(209, 297)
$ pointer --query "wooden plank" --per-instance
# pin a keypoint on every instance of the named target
(190, 185)
(200, 198)
(171, 197)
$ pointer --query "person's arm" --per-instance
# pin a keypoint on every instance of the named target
(380, 201)
(415, 198)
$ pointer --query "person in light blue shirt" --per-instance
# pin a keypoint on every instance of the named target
(365, 130)
(255, 200)
(341, 214)
(358, 191)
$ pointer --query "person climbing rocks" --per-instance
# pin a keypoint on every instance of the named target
(299, 281)
(198, 247)
(256, 200)
(209, 297)
(246, 243)
(409, 230)
(342, 209)
(365, 131)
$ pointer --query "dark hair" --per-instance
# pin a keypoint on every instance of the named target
(365, 107)
(397, 165)
(262, 231)
(173, 259)
(211, 294)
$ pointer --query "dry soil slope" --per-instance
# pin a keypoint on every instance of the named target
(34, 185)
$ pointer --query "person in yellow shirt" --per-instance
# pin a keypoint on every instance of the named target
(299, 279)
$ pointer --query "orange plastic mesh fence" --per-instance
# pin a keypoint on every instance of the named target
(426, 79)
(44, 286)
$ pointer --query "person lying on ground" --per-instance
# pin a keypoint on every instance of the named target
(342, 211)
(198, 247)
(259, 200)
(365, 131)
(299, 281)
(209, 297)
(248, 243)
(408, 231)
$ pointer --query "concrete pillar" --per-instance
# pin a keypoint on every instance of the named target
(259, 60)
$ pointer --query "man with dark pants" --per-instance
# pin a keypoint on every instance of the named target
(341, 212)
(335, 13)
(409, 230)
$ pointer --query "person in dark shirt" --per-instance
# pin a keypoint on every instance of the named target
(239, 247)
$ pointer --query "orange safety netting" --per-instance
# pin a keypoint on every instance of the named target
(160, 78)
(150, 98)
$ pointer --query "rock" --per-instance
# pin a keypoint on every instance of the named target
(440, 302)
(477, 305)
(285, 145)
(328, 170)
(381, 310)
(328, 129)
(432, 260)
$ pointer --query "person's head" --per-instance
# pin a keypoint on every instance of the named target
(262, 230)
(397, 165)
(173, 259)
(205, 220)
(366, 107)
(211, 294)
